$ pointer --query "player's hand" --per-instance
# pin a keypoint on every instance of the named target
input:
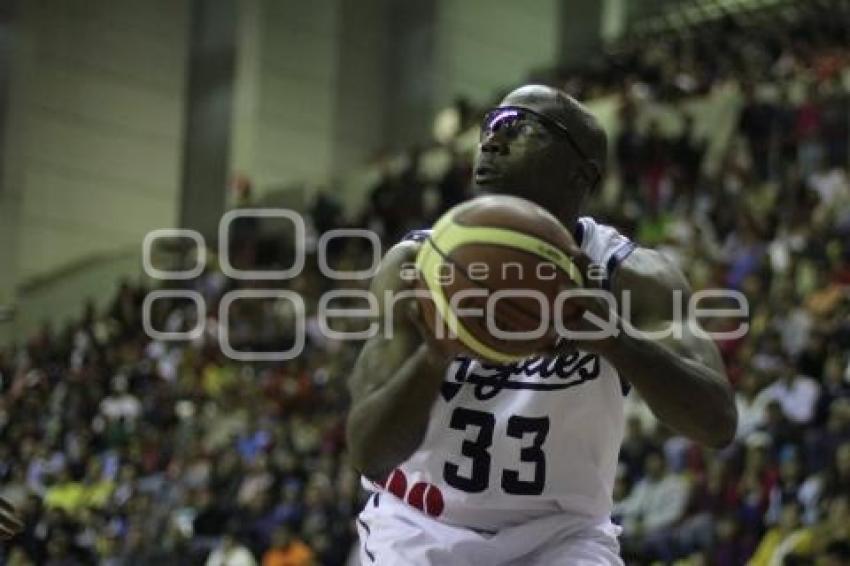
(399, 284)
(10, 522)
(438, 353)
(394, 281)
(408, 315)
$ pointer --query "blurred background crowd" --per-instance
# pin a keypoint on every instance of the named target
(121, 449)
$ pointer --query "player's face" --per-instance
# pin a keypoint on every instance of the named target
(521, 154)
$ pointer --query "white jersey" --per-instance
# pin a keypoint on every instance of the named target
(512, 443)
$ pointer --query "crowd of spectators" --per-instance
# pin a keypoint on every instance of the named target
(119, 449)
(122, 449)
(691, 60)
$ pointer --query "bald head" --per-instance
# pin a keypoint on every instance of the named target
(583, 127)
(543, 145)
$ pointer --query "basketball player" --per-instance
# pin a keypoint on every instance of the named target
(471, 463)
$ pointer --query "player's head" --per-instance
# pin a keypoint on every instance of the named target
(543, 145)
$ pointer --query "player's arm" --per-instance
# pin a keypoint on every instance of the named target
(395, 379)
(680, 375)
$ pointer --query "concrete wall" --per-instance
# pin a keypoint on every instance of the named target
(486, 45)
(95, 136)
(322, 86)
(97, 100)
(363, 86)
(310, 88)
(282, 127)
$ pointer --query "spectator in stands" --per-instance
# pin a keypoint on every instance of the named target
(756, 125)
(751, 406)
(709, 501)
(830, 184)
(628, 148)
(634, 449)
(832, 533)
(787, 487)
(120, 408)
(656, 503)
(287, 550)
(810, 150)
(688, 154)
(655, 170)
(453, 187)
(796, 394)
(835, 103)
(780, 431)
(382, 204)
(835, 387)
(730, 548)
(230, 552)
(788, 538)
(744, 250)
(326, 212)
(65, 493)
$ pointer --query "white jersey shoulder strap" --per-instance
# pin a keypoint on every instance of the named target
(603, 244)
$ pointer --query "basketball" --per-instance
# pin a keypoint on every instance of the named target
(492, 268)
